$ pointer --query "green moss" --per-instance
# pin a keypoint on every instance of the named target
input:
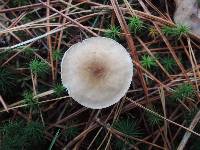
(148, 62)
(136, 24)
(30, 100)
(113, 32)
(71, 132)
(7, 81)
(177, 31)
(17, 3)
(127, 126)
(59, 89)
(38, 67)
(152, 119)
(169, 63)
(16, 135)
(57, 55)
(183, 91)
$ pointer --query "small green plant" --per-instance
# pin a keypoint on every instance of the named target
(135, 24)
(113, 32)
(152, 119)
(183, 91)
(153, 32)
(17, 135)
(38, 67)
(177, 31)
(127, 126)
(34, 132)
(168, 63)
(121, 145)
(57, 55)
(17, 3)
(28, 51)
(7, 80)
(30, 100)
(12, 136)
(148, 62)
(59, 89)
(71, 132)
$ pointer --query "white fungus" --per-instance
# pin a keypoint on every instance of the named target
(97, 72)
(188, 13)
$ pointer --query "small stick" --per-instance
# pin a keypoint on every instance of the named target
(3, 103)
(188, 129)
(187, 133)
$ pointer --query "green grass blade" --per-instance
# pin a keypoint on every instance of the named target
(54, 139)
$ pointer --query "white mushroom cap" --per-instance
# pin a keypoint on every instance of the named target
(97, 72)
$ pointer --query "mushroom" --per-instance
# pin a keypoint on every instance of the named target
(188, 13)
(97, 72)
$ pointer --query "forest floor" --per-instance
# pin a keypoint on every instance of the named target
(159, 111)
